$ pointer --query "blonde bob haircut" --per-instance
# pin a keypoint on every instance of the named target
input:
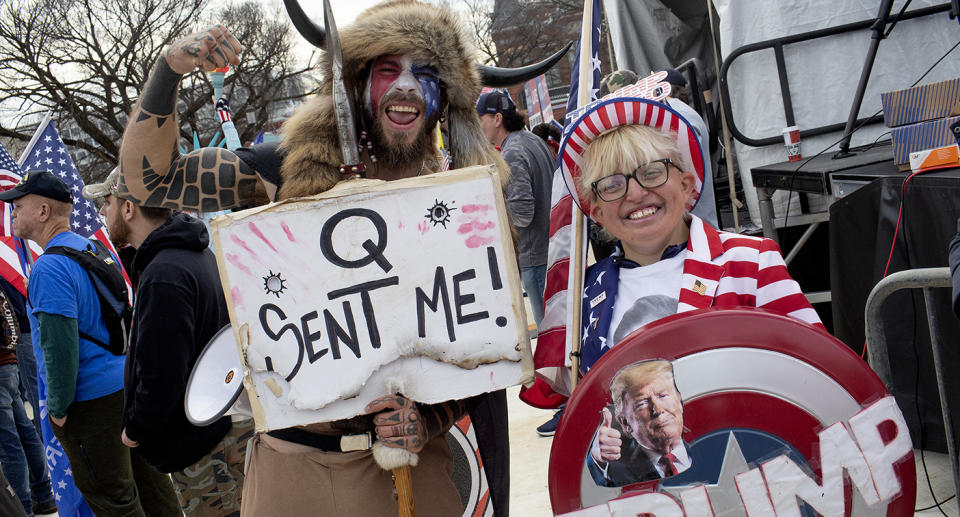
(623, 149)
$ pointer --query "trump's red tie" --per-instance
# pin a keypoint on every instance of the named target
(667, 462)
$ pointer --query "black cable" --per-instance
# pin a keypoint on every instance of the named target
(897, 19)
(793, 175)
(937, 505)
(877, 140)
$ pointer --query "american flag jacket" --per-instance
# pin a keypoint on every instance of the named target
(721, 269)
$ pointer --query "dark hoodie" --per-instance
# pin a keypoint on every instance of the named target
(179, 306)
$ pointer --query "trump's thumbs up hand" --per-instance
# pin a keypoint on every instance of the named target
(606, 444)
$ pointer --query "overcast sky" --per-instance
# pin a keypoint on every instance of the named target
(344, 12)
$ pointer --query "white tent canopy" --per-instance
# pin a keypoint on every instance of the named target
(823, 73)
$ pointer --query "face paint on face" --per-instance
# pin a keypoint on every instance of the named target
(400, 102)
(430, 86)
(391, 76)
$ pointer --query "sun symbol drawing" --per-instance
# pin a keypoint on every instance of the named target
(274, 284)
(439, 213)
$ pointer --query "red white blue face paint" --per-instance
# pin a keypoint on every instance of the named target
(430, 86)
(387, 75)
(402, 89)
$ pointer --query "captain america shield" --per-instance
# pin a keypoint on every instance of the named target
(779, 418)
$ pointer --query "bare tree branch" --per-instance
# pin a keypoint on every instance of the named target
(86, 60)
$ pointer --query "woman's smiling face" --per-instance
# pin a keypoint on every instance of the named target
(644, 220)
(647, 220)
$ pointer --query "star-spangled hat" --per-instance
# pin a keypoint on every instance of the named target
(624, 107)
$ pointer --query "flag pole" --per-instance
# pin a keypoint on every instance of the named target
(26, 258)
(36, 136)
(583, 97)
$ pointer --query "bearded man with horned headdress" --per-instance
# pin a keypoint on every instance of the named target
(410, 65)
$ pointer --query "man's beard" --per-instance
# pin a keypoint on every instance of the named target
(119, 233)
(391, 147)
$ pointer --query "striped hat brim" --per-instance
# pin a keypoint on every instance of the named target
(607, 114)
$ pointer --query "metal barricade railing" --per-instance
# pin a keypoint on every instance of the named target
(878, 357)
(777, 45)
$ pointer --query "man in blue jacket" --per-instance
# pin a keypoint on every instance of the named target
(82, 380)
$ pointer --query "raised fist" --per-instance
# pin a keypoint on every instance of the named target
(606, 444)
(206, 50)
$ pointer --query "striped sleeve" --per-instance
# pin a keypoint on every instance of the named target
(777, 291)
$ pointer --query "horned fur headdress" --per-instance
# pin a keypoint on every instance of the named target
(428, 34)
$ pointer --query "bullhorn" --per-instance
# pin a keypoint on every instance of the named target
(215, 387)
(491, 76)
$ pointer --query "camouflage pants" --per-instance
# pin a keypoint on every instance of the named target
(212, 486)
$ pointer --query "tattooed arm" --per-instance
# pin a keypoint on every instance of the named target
(154, 173)
(401, 422)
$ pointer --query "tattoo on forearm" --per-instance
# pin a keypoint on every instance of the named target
(437, 418)
(159, 95)
(210, 179)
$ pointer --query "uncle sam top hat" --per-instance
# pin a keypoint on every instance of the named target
(636, 104)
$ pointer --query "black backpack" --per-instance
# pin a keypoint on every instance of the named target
(106, 275)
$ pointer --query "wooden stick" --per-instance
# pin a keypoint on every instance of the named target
(731, 174)
(404, 485)
(577, 273)
(583, 97)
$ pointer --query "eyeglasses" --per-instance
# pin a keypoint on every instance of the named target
(649, 175)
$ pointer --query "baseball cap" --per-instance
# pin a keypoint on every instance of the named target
(96, 191)
(675, 78)
(42, 183)
(495, 102)
(616, 80)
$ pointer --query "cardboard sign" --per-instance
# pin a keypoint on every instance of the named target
(374, 288)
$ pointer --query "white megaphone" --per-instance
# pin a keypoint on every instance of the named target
(215, 387)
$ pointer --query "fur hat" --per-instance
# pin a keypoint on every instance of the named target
(428, 34)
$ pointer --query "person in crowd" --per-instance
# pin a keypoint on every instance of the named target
(616, 80)
(549, 133)
(83, 381)
(646, 443)
(26, 362)
(528, 192)
(179, 306)
(21, 451)
(98, 192)
(9, 504)
(408, 65)
(638, 176)
(678, 99)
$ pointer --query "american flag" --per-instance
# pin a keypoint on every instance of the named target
(47, 151)
(12, 262)
(552, 357)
